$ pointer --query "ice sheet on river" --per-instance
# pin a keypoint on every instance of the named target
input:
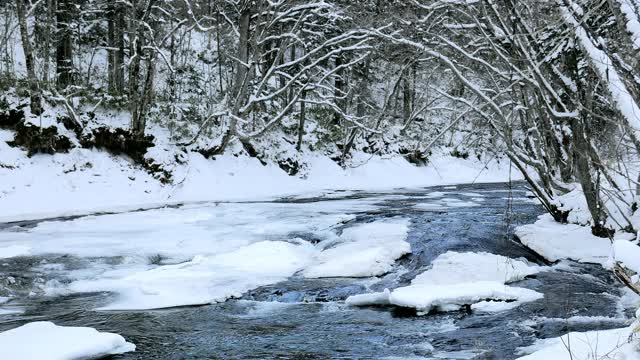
(178, 234)
(208, 253)
(458, 279)
(362, 250)
(45, 340)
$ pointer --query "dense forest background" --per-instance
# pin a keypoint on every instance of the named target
(553, 87)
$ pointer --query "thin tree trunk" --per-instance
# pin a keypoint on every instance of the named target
(338, 92)
(47, 45)
(146, 98)
(34, 89)
(116, 29)
(407, 97)
(240, 80)
(111, 29)
(140, 99)
(64, 48)
(303, 115)
(219, 51)
(118, 65)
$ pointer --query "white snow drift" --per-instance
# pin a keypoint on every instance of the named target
(45, 340)
(458, 279)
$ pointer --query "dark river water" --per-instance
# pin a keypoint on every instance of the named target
(307, 319)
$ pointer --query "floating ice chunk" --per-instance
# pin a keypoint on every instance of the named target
(471, 194)
(425, 298)
(378, 298)
(365, 250)
(429, 206)
(495, 306)
(456, 203)
(459, 279)
(45, 340)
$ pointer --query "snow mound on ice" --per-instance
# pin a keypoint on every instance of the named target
(555, 241)
(453, 267)
(45, 340)
(365, 250)
(458, 279)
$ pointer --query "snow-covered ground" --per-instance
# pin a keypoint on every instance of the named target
(556, 241)
(88, 180)
(591, 345)
(45, 340)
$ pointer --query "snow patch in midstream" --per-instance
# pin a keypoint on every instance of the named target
(458, 279)
(206, 254)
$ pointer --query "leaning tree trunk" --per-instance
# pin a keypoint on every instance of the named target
(64, 46)
(34, 89)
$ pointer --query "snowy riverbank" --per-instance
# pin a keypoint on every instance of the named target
(88, 180)
(555, 242)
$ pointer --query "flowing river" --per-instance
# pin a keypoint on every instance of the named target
(302, 318)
